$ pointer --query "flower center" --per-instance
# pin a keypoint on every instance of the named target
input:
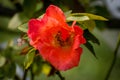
(63, 43)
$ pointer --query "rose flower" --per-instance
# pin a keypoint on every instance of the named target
(57, 42)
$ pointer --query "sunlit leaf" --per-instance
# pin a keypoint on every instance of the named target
(2, 61)
(89, 24)
(77, 18)
(14, 22)
(23, 27)
(39, 6)
(29, 58)
(67, 14)
(41, 16)
(90, 37)
(17, 20)
(91, 16)
(46, 68)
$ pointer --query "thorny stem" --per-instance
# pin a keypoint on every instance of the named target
(114, 59)
(59, 75)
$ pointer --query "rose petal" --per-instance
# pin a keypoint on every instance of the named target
(56, 13)
(33, 31)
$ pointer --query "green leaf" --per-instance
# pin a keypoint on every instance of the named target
(90, 37)
(2, 61)
(23, 27)
(8, 70)
(91, 16)
(37, 65)
(39, 6)
(101, 25)
(25, 36)
(2, 74)
(8, 35)
(17, 20)
(67, 14)
(41, 16)
(29, 58)
(29, 7)
(90, 48)
(46, 68)
(77, 18)
(89, 24)
(14, 22)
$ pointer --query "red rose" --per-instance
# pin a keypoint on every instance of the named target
(57, 42)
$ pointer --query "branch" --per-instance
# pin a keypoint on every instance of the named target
(25, 74)
(16, 77)
(114, 59)
(32, 75)
(60, 76)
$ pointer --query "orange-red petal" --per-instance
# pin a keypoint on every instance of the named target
(43, 32)
(56, 13)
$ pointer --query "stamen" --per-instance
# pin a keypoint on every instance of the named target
(61, 42)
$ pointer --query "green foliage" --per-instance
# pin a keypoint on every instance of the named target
(17, 20)
(91, 16)
(84, 17)
(23, 27)
(90, 37)
(46, 69)
(77, 18)
(14, 22)
(2, 60)
(8, 70)
(37, 65)
(67, 13)
(5, 33)
(89, 24)
(90, 48)
(29, 58)
(86, 20)
(29, 7)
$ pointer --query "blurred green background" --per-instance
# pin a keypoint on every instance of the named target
(15, 12)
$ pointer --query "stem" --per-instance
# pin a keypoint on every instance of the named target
(16, 77)
(25, 74)
(60, 76)
(32, 75)
(114, 59)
